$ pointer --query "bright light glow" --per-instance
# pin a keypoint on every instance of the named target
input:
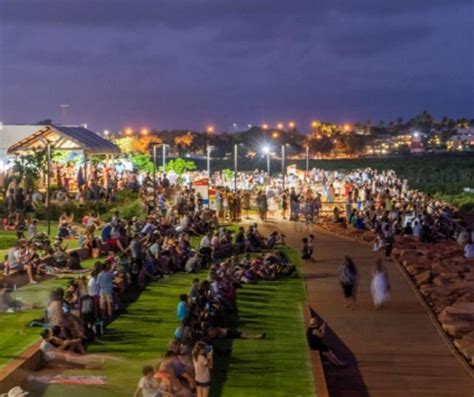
(275, 134)
(128, 131)
(291, 124)
(210, 129)
(266, 150)
(416, 134)
(314, 124)
(106, 132)
(265, 126)
(347, 127)
(144, 131)
(280, 126)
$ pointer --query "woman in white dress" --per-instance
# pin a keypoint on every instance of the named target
(379, 286)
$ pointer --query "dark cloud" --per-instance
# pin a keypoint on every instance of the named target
(189, 62)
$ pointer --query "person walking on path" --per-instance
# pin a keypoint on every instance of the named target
(348, 278)
(379, 285)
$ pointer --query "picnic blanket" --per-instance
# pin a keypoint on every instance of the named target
(70, 380)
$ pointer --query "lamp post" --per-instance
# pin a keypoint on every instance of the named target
(209, 150)
(235, 165)
(266, 151)
(283, 171)
(307, 160)
(154, 174)
(164, 156)
(48, 187)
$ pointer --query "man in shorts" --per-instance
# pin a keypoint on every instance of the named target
(105, 280)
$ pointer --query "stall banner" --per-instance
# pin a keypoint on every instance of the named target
(202, 186)
(212, 199)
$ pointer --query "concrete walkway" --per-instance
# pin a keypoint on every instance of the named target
(394, 352)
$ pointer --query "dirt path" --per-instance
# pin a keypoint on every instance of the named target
(396, 351)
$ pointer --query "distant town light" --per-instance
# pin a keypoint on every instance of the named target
(265, 126)
(128, 131)
(280, 126)
(291, 124)
(210, 129)
(144, 131)
(106, 132)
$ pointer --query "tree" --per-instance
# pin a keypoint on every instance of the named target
(142, 162)
(179, 166)
(143, 144)
(29, 167)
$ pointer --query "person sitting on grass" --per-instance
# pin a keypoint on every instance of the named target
(314, 336)
(60, 355)
(148, 386)
(18, 261)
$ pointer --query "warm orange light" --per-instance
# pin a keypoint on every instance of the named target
(128, 131)
(314, 124)
(265, 126)
(144, 131)
(210, 129)
(280, 126)
(291, 124)
(318, 136)
(347, 127)
(275, 135)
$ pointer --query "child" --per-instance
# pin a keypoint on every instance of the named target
(148, 386)
(305, 250)
(311, 242)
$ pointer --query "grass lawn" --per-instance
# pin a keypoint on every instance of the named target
(8, 239)
(276, 366)
(15, 336)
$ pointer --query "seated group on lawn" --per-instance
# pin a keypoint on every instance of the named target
(139, 251)
(206, 314)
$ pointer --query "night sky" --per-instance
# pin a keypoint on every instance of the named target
(188, 63)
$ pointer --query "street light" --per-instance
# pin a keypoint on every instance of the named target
(264, 126)
(154, 173)
(283, 158)
(266, 151)
(144, 131)
(128, 131)
(210, 129)
(291, 124)
(280, 126)
(48, 186)
(236, 153)
(307, 159)
(164, 156)
(209, 150)
(275, 134)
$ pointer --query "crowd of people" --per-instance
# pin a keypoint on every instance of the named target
(206, 314)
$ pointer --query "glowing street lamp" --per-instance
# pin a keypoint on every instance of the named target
(210, 129)
(144, 131)
(280, 126)
(128, 131)
(266, 151)
(347, 127)
(314, 124)
(264, 126)
(275, 135)
(291, 124)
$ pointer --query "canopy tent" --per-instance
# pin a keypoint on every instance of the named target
(64, 138)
